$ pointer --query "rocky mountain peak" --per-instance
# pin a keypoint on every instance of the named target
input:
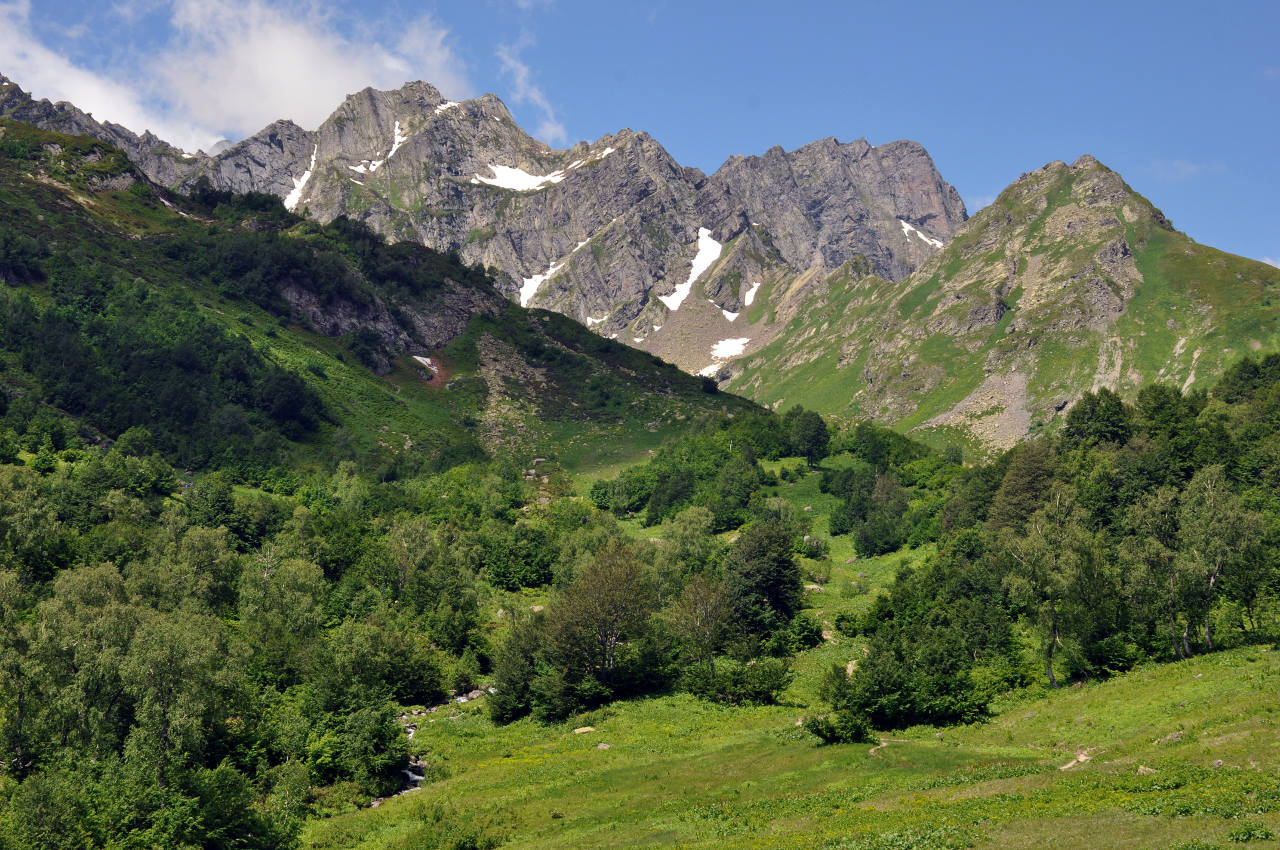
(615, 232)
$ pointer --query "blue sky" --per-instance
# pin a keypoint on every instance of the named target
(1180, 98)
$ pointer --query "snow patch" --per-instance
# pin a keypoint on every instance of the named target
(657, 328)
(708, 253)
(637, 338)
(517, 179)
(398, 139)
(728, 315)
(447, 105)
(299, 183)
(722, 351)
(579, 246)
(531, 284)
(751, 294)
(175, 209)
(907, 230)
(593, 322)
(726, 348)
(428, 362)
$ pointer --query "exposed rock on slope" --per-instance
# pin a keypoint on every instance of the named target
(1069, 282)
(615, 233)
(158, 159)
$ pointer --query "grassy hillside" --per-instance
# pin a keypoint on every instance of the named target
(1164, 756)
(86, 235)
(1067, 283)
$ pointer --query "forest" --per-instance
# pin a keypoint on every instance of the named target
(214, 612)
(184, 660)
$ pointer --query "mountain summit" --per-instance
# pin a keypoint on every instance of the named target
(1069, 282)
(614, 233)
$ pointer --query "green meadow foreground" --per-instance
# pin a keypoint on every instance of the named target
(1183, 754)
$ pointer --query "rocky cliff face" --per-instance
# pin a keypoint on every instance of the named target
(159, 160)
(1067, 283)
(614, 233)
(828, 202)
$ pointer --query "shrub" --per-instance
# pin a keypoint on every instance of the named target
(1250, 831)
(735, 683)
(841, 727)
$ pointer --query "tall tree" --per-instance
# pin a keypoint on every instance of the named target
(1023, 487)
(1058, 576)
(606, 606)
(763, 576)
(1219, 538)
(700, 617)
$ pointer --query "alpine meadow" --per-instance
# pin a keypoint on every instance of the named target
(408, 482)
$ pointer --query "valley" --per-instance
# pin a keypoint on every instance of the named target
(615, 504)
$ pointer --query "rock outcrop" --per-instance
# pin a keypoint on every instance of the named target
(614, 233)
(1069, 282)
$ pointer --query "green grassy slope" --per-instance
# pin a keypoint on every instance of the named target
(1166, 754)
(1069, 281)
(529, 383)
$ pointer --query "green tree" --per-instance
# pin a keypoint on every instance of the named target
(1099, 417)
(763, 577)
(1024, 485)
(178, 675)
(809, 435)
(1149, 554)
(280, 614)
(1218, 537)
(1058, 578)
(606, 606)
(701, 619)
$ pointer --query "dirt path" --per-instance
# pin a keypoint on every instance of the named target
(1081, 757)
(874, 752)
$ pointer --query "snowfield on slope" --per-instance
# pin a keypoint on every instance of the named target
(708, 253)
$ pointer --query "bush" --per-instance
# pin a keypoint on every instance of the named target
(1250, 831)
(733, 682)
(842, 727)
(803, 633)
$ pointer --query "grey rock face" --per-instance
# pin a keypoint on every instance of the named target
(826, 202)
(601, 231)
(264, 162)
(159, 160)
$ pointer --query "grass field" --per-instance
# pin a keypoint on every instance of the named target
(1165, 756)
(1175, 753)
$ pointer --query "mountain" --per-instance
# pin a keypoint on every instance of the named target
(842, 276)
(159, 160)
(614, 233)
(1069, 282)
(129, 302)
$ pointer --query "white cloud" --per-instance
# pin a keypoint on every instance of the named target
(1272, 261)
(295, 65)
(231, 67)
(549, 129)
(979, 202)
(45, 73)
